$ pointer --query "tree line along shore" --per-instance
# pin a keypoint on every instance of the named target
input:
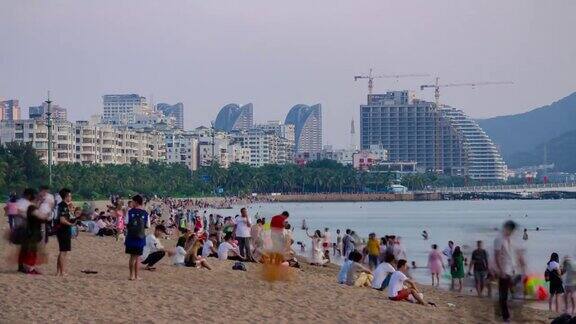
(20, 167)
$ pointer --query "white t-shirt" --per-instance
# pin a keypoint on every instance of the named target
(242, 228)
(152, 245)
(22, 205)
(47, 205)
(223, 249)
(506, 258)
(447, 253)
(396, 283)
(207, 248)
(553, 265)
(179, 255)
(382, 270)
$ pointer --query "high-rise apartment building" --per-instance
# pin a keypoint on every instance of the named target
(105, 144)
(39, 112)
(123, 108)
(413, 130)
(286, 131)
(174, 111)
(307, 121)
(182, 147)
(10, 110)
(35, 132)
(233, 117)
(265, 147)
(85, 142)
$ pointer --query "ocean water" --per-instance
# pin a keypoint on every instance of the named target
(464, 222)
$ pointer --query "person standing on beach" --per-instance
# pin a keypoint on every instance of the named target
(373, 247)
(457, 268)
(326, 243)
(554, 276)
(64, 229)
(505, 255)
(277, 225)
(569, 268)
(243, 225)
(448, 252)
(479, 262)
(346, 243)
(338, 246)
(31, 244)
(137, 221)
(11, 210)
(435, 264)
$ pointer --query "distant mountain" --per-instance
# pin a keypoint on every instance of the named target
(560, 150)
(519, 135)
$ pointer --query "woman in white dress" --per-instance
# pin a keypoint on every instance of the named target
(317, 257)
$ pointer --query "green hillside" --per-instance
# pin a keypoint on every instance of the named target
(519, 133)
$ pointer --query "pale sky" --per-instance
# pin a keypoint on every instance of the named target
(276, 54)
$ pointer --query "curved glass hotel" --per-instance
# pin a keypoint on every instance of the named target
(307, 121)
(233, 117)
(407, 127)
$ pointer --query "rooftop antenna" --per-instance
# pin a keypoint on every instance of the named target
(352, 135)
(49, 124)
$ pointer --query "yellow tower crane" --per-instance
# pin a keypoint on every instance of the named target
(371, 78)
(437, 87)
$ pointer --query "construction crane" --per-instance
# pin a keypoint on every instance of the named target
(371, 78)
(437, 87)
(438, 145)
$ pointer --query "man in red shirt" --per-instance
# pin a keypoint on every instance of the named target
(277, 222)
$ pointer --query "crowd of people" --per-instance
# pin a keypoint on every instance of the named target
(203, 238)
(381, 264)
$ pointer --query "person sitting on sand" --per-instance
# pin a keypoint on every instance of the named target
(396, 289)
(193, 259)
(208, 249)
(153, 250)
(183, 238)
(229, 251)
(180, 249)
(358, 275)
(383, 273)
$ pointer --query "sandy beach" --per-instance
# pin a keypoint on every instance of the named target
(172, 294)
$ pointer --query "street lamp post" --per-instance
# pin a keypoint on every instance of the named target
(213, 141)
(49, 124)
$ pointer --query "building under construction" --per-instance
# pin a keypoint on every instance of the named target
(443, 140)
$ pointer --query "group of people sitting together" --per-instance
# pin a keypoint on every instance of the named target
(201, 237)
(390, 274)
